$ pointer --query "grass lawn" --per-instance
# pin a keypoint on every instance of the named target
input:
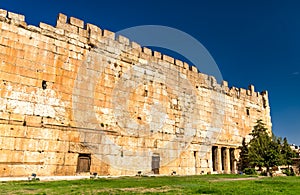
(206, 184)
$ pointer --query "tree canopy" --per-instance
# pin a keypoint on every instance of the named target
(264, 150)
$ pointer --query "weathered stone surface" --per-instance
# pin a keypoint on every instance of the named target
(3, 13)
(147, 51)
(123, 40)
(15, 16)
(108, 34)
(71, 96)
(76, 22)
(168, 59)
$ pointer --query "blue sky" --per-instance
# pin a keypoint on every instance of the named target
(253, 42)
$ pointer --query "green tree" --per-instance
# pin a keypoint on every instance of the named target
(287, 153)
(259, 129)
(244, 156)
(263, 150)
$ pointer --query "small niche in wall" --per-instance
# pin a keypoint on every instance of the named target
(44, 84)
(264, 102)
(248, 111)
(145, 93)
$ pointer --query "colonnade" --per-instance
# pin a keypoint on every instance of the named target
(223, 159)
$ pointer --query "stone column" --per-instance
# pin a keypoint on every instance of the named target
(219, 160)
(234, 170)
(227, 161)
(234, 167)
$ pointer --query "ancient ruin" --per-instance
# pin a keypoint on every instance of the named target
(76, 99)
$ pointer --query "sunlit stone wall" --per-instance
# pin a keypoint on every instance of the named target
(75, 99)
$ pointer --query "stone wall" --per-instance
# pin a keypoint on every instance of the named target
(74, 98)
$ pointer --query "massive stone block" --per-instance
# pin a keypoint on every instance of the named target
(74, 98)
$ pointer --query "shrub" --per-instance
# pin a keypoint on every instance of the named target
(289, 172)
(250, 171)
(263, 173)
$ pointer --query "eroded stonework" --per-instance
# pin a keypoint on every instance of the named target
(74, 98)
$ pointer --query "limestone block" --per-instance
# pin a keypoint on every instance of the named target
(224, 84)
(58, 146)
(43, 144)
(35, 121)
(157, 54)
(4, 115)
(15, 16)
(7, 143)
(18, 131)
(179, 63)
(94, 31)
(67, 27)
(242, 93)
(53, 158)
(76, 22)
(20, 170)
(59, 32)
(136, 46)
(109, 34)
(72, 35)
(16, 157)
(30, 144)
(78, 148)
(185, 65)
(62, 18)
(47, 27)
(147, 51)
(83, 33)
(168, 59)
(123, 40)
(34, 28)
(194, 69)
(33, 157)
(3, 13)
(93, 138)
(71, 158)
(5, 170)
(16, 117)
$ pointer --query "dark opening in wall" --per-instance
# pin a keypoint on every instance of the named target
(214, 157)
(155, 164)
(248, 111)
(264, 102)
(83, 163)
(145, 93)
(44, 84)
(223, 155)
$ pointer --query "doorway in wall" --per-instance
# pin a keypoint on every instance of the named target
(83, 163)
(155, 163)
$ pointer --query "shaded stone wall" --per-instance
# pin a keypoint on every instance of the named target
(76, 98)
